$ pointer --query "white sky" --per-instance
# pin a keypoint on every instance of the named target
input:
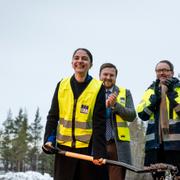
(38, 37)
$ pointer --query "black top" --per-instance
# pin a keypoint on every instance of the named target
(98, 137)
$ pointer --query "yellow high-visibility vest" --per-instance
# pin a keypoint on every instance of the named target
(145, 103)
(81, 110)
(143, 106)
(122, 126)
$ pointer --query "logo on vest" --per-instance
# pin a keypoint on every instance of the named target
(84, 109)
(122, 100)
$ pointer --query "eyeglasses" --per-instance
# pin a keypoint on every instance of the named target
(162, 70)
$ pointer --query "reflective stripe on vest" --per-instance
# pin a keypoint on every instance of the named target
(150, 137)
(145, 100)
(122, 126)
(83, 113)
(82, 125)
(171, 121)
(169, 137)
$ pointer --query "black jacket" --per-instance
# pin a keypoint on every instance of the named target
(98, 143)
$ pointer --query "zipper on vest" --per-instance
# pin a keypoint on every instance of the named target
(73, 125)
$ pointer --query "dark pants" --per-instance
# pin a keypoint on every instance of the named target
(67, 168)
(115, 173)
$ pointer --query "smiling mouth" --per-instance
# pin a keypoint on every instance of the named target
(108, 81)
(80, 67)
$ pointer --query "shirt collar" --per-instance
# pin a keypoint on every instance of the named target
(111, 89)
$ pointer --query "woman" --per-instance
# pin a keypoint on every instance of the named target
(76, 122)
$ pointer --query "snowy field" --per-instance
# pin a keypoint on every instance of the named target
(29, 175)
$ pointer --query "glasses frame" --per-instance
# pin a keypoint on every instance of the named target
(162, 70)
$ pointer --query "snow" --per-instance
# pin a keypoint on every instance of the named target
(29, 175)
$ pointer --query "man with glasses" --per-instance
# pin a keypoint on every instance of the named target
(160, 105)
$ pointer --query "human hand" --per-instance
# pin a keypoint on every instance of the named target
(48, 148)
(170, 83)
(164, 89)
(110, 102)
(98, 162)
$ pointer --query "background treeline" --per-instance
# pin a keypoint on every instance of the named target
(20, 145)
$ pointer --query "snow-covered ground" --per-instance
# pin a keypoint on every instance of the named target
(29, 175)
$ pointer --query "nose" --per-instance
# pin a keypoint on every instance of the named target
(108, 77)
(161, 73)
(79, 59)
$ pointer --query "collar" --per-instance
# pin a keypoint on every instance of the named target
(110, 89)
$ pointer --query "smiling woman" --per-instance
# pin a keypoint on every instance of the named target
(81, 63)
(76, 122)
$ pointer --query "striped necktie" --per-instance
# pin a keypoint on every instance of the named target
(109, 129)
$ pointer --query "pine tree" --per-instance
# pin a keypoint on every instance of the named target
(19, 142)
(35, 139)
(6, 142)
(20, 145)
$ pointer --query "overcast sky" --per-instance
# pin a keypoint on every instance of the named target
(38, 37)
